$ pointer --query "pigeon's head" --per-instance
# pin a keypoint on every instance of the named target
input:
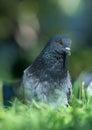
(60, 44)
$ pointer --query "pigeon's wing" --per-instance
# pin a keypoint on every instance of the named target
(34, 88)
(29, 85)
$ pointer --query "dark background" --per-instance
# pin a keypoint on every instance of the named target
(26, 26)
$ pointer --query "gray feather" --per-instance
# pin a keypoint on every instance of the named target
(47, 79)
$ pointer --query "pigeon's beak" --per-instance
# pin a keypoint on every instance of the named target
(68, 50)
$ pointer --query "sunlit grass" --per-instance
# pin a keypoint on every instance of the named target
(42, 117)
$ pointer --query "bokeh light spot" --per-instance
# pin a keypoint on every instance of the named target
(69, 6)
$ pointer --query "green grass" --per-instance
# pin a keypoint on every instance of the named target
(77, 116)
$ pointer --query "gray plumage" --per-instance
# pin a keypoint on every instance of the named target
(47, 79)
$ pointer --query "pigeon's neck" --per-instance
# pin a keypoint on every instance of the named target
(65, 62)
(56, 63)
(61, 62)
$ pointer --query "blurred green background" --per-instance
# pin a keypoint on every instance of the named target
(26, 26)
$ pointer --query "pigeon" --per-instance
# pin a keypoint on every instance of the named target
(47, 79)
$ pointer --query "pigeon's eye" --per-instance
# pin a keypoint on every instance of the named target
(60, 42)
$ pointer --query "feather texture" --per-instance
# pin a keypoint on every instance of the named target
(47, 79)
